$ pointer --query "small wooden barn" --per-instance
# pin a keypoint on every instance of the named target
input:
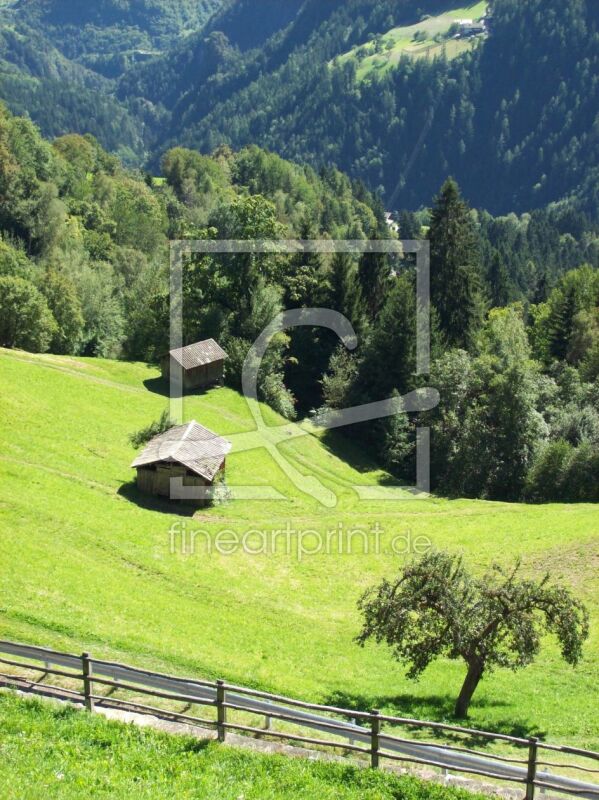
(202, 363)
(191, 452)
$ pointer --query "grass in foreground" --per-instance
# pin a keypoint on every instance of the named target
(85, 562)
(48, 751)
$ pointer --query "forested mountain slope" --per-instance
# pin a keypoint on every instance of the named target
(103, 33)
(61, 95)
(513, 117)
(59, 59)
(515, 121)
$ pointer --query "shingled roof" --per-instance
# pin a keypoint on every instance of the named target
(191, 445)
(198, 354)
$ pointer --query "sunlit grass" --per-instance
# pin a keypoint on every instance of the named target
(85, 562)
(60, 753)
(406, 41)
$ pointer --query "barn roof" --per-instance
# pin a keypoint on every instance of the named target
(198, 354)
(192, 445)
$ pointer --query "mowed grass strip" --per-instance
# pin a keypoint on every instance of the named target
(86, 563)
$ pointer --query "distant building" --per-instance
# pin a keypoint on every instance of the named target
(468, 28)
(203, 364)
(190, 452)
(391, 223)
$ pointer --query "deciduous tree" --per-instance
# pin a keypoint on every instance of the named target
(436, 608)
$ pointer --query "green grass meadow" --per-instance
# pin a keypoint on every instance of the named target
(401, 41)
(86, 562)
(49, 751)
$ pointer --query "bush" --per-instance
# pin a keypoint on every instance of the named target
(273, 391)
(161, 425)
(563, 473)
(25, 319)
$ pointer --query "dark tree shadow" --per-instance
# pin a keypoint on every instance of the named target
(355, 454)
(438, 708)
(163, 388)
(349, 451)
(158, 386)
(131, 493)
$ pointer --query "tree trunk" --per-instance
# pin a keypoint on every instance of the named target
(473, 676)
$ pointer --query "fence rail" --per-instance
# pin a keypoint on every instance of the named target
(362, 732)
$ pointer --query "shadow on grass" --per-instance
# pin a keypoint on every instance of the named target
(439, 708)
(354, 454)
(158, 386)
(130, 492)
(196, 746)
(163, 388)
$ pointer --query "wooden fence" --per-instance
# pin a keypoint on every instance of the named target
(369, 734)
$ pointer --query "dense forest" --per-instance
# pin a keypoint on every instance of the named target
(108, 35)
(83, 270)
(514, 119)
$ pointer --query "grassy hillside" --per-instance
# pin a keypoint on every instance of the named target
(80, 753)
(425, 38)
(86, 564)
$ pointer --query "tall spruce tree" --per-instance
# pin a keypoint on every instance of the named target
(345, 294)
(455, 273)
(390, 357)
(374, 273)
(499, 282)
(561, 323)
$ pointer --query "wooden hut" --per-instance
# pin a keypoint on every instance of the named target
(190, 452)
(202, 364)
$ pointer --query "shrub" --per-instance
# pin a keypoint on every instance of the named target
(25, 319)
(161, 425)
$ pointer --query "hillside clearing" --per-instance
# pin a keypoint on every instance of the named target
(427, 38)
(87, 564)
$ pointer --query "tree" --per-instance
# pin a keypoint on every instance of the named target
(25, 319)
(345, 294)
(63, 302)
(455, 279)
(561, 322)
(390, 355)
(436, 608)
(577, 291)
(499, 282)
(140, 221)
(375, 278)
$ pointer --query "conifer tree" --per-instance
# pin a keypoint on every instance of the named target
(499, 282)
(345, 294)
(455, 278)
(561, 323)
(374, 274)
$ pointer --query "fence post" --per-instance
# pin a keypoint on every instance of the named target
(221, 711)
(532, 768)
(375, 731)
(88, 686)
